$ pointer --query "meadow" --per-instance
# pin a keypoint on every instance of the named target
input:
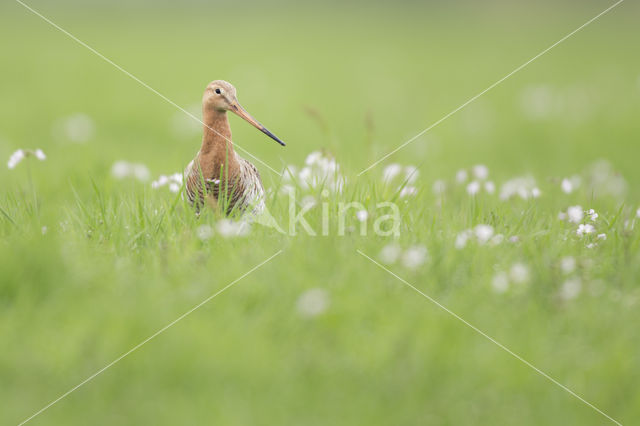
(520, 213)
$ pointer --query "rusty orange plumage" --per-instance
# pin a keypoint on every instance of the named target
(218, 172)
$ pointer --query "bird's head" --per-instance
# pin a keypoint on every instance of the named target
(220, 96)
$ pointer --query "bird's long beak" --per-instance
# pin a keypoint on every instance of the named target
(241, 112)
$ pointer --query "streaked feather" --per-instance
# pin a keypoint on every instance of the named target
(244, 190)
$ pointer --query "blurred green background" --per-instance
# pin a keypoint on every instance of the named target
(400, 66)
(358, 79)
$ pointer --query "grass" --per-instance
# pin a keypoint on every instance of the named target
(119, 260)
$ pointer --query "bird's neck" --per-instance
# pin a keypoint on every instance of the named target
(217, 151)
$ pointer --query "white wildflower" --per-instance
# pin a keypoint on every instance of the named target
(120, 169)
(602, 237)
(289, 173)
(567, 186)
(173, 181)
(490, 187)
(391, 171)
(313, 158)
(523, 193)
(21, 154)
(336, 184)
(480, 171)
(519, 186)
(308, 202)
(161, 181)
(305, 174)
(473, 188)
(638, 213)
(141, 172)
(592, 215)
(44, 230)
(287, 189)
(584, 229)
(411, 174)
(204, 232)
(312, 302)
(575, 214)
(483, 233)
(535, 192)
(414, 256)
(570, 289)
(408, 191)
(362, 215)
(496, 240)
(40, 155)
(514, 239)
(390, 253)
(320, 170)
(229, 228)
(568, 264)
(123, 169)
(500, 282)
(461, 176)
(462, 238)
(17, 157)
(519, 273)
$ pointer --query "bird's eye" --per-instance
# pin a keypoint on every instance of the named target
(218, 91)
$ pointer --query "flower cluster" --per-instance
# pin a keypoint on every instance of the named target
(523, 187)
(518, 274)
(577, 216)
(476, 179)
(411, 258)
(320, 171)
(401, 177)
(226, 228)
(568, 185)
(21, 154)
(480, 176)
(312, 302)
(482, 234)
(173, 182)
(362, 215)
(123, 169)
(572, 286)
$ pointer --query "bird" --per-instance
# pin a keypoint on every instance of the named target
(218, 175)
